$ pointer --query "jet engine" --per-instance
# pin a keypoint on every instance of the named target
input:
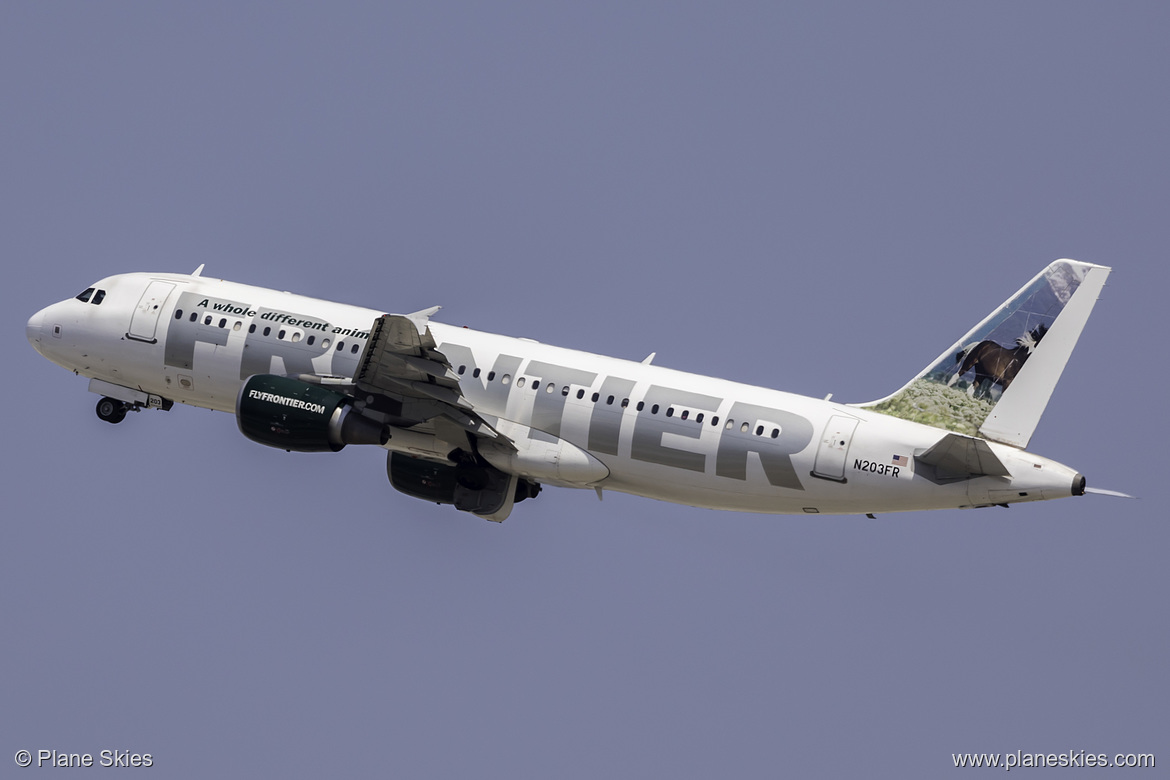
(293, 415)
(470, 483)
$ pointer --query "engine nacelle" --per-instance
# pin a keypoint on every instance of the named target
(471, 484)
(293, 415)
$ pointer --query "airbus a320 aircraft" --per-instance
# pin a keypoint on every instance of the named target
(481, 421)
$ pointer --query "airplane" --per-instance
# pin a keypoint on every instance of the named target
(481, 421)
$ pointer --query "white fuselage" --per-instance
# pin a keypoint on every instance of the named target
(660, 433)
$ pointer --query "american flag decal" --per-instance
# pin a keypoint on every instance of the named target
(900, 460)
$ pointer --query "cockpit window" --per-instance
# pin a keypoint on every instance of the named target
(92, 296)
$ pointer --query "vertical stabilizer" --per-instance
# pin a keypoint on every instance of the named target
(995, 382)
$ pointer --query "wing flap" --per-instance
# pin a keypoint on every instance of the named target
(402, 362)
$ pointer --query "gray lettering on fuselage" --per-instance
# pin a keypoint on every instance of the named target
(483, 394)
(491, 397)
(259, 349)
(549, 407)
(649, 427)
(606, 423)
(182, 334)
(344, 361)
(775, 454)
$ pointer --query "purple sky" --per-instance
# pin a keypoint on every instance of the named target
(812, 197)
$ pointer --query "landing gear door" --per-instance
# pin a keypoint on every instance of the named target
(834, 447)
(144, 322)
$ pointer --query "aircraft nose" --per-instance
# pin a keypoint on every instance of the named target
(33, 330)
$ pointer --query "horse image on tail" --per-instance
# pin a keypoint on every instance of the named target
(994, 364)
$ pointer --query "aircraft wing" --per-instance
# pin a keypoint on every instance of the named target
(403, 374)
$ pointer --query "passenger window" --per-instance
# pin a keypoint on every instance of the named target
(475, 373)
(84, 296)
(462, 369)
(520, 382)
(744, 428)
(536, 385)
(223, 322)
(593, 397)
(310, 340)
(178, 314)
(354, 349)
(491, 376)
(760, 430)
(699, 418)
(625, 402)
(775, 432)
(715, 420)
(340, 344)
(194, 316)
(267, 331)
(641, 405)
(296, 336)
(281, 335)
(252, 328)
(100, 296)
(237, 325)
(549, 387)
(670, 412)
(207, 320)
(324, 343)
(654, 409)
(506, 379)
(686, 413)
(581, 394)
(565, 390)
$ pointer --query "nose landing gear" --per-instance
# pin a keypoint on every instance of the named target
(112, 410)
(117, 400)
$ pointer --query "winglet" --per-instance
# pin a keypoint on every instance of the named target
(421, 318)
(198, 271)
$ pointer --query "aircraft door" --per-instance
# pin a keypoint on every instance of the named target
(144, 322)
(834, 446)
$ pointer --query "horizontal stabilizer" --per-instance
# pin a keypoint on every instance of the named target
(957, 457)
